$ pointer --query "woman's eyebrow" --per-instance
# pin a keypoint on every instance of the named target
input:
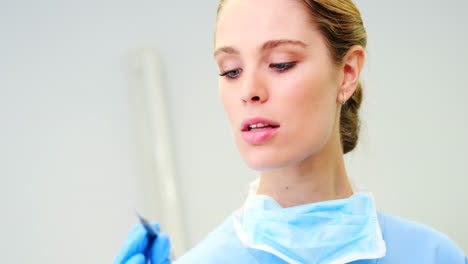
(275, 43)
(271, 44)
(229, 50)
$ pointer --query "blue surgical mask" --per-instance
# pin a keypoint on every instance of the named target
(329, 232)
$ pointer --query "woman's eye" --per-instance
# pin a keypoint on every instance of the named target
(282, 66)
(231, 74)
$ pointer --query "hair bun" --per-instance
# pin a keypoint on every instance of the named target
(349, 120)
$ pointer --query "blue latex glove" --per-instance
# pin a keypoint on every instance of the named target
(137, 249)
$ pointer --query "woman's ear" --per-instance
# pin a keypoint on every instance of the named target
(350, 70)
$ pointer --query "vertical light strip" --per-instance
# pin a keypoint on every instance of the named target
(160, 173)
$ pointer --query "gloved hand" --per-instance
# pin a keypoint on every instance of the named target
(138, 250)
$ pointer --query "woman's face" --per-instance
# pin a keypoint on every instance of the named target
(279, 87)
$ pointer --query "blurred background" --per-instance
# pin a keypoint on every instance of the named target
(76, 149)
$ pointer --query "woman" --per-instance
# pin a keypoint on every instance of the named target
(289, 82)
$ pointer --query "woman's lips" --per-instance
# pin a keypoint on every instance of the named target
(259, 136)
(256, 130)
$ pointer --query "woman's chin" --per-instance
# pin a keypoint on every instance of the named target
(266, 162)
(272, 156)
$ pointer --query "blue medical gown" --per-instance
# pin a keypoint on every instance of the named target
(406, 242)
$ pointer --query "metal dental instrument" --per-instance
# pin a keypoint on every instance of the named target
(152, 233)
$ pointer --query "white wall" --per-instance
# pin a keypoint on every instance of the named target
(70, 159)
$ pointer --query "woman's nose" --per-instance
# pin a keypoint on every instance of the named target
(254, 89)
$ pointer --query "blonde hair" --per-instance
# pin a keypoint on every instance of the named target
(341, 24)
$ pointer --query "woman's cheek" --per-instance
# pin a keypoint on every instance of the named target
(310, 96)
(229, 103)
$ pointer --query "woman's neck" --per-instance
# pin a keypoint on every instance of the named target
(319, 177)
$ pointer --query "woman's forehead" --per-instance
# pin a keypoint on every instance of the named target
(251, 23)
